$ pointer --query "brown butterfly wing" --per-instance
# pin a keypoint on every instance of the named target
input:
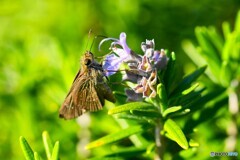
(82, 97)
(104, 91)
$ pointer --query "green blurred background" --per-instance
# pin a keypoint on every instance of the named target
(41, 43)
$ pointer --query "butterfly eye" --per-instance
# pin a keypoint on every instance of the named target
(87, 62)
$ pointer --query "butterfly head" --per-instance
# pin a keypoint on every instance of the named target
(88, 58)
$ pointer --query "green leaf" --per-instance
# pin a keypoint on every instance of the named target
(193, 143)
(170, 71)
(36, 156)
(186, 82)
(47, 144)
(228, 47)
(27, 150)
(200, 103)
(198, 59)
(187, 154)
(130, 106)
(150, 148)
(148, 114)
(186, 93)
(225, 74)
(55, 153)
(210, 111)
(216, 39)
(138, 140)
(208, 51)
(237, 22)
(116, 136)
(175, 133)
(226, 29)
(181, 113)
(187, 101)
(171, 110)
(162, 96)
(190, 89)
(193, 53)
(140, 119)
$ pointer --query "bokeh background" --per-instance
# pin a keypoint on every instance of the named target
(41, 43)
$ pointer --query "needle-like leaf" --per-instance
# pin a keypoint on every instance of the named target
(47, 144)
(130, 106)
(116, 136)
(27, 150)
(175, 133)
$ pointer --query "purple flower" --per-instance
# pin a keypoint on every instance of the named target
(160, 59)
(157, 58)
(113, 61)
(141, 70)
(145, 65)
(148, 47)
(147, 86)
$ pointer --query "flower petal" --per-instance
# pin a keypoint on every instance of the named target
(160, 59)
(149, 44)
(123, 42)
(145, 65)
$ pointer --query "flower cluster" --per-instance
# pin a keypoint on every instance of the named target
(142, 70)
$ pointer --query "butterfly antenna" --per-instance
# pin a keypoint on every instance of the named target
(97, 36)
(101, 57)
(89, 35)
